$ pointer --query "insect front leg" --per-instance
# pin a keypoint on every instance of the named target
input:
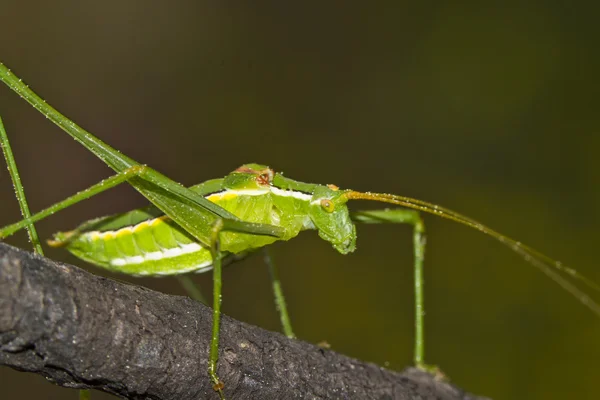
(412, 217)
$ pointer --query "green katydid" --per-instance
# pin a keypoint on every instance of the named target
(250, 208)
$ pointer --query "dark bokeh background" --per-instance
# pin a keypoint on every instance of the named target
(489, 110)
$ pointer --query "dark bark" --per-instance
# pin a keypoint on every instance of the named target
(84, 331)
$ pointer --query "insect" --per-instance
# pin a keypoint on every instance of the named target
(198, 228)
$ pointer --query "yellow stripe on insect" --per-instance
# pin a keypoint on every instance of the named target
(95, 235)
(230, 194)
(128, 230)
(222, 196)
(108, 235)
(141, 226)
(155, 220)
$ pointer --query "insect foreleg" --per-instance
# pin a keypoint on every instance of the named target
(412, 217)
(278, 293)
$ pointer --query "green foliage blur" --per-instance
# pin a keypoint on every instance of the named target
(491, 109)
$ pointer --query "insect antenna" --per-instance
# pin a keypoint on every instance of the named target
(547, 265)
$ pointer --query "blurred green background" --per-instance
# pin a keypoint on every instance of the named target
(491, 110)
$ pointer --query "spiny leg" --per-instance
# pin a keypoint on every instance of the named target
(76, 198)
(22, 200)
(19, 191)
(412, 217)
(217, 283)
(278, 293)
(193, 291)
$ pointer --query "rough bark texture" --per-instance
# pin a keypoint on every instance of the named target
(86, 331)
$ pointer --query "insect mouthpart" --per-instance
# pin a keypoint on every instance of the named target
(347, 244)
(346, 247)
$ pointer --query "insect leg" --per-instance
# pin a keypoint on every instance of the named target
(20, 194)
(19, 191)
(412, 217)
(84, 194)
(217, 282)
(278, 293)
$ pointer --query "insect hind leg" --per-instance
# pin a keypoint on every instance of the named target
(412, 217)
(106, 184)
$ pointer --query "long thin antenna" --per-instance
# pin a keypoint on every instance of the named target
(546, 264)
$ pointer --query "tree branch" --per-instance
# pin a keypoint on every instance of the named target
(84, 331)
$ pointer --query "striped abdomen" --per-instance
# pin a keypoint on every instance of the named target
(148, 245)
(154, 247)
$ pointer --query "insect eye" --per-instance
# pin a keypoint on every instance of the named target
(327, 205)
